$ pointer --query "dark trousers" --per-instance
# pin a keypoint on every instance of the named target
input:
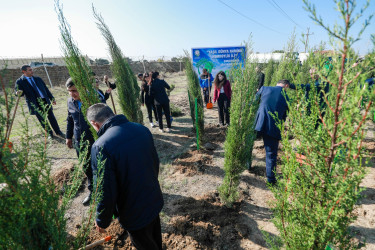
(167, 112)
(51, 118)
(151, 107)
(206, 95)
(149, 237)
(271, 145)
(87, 166)
(223, 104)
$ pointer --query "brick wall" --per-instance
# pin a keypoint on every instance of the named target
(59, 74)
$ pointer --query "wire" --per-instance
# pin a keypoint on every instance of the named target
(277, 7)
(250, 19)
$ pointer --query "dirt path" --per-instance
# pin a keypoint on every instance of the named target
(193, 217)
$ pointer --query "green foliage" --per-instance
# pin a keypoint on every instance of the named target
(194, 92)
(128, 89)
(269, 71)
(32, 210)
(171, 89)
(319, 188)
(241, 135)
(288, 63)
(78, 68)
(175, 111)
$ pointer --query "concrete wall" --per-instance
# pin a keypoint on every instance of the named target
(59, 74)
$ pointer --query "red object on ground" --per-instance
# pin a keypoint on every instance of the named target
(9, 144)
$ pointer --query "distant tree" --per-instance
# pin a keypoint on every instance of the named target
(278, 51)
(101, 61)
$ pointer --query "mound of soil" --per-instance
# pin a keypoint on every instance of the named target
(214, 133)
(204, 223)
(193, 162)
(62, 175)
(120, 239)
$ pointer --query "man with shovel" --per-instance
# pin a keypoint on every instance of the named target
(205, 81)
(130, 188)
(37, 94)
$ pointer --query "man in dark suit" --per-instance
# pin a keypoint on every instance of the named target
(260, 77)
(272, 100)
(36, 92)
(78, 127)
(130, 188)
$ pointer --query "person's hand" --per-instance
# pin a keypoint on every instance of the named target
(108, 90)
(54, 102)
(69, 143)
(99, 229)
(19, 92)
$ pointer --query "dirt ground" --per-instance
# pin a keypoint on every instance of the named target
(193, 217)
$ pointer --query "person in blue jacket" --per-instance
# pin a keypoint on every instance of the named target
(130, 188)
(370, 81)
(205, 81)
(272, 100)
(77, 126)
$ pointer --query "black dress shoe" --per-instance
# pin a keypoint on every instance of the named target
(87, 200)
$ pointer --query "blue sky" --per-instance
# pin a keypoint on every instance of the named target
(156, 28)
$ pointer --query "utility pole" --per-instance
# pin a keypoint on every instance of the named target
(307, 38)
(45, 69)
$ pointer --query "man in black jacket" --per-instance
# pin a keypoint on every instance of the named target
(77, 126)
(260, 77)
(36, 92)
(130, 188)
(161, 100)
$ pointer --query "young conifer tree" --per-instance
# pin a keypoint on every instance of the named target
(323, 166)
(241, 134)
(288, 63)
(78, 68)
(194, 92)
(271, 68)
(128, 89)
(32, 209)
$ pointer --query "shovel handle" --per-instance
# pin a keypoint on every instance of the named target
(97, 243)
(14, 115)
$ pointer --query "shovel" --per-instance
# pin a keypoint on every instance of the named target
(97, 243)
(110, 94)
(10, 144)
(209, 104)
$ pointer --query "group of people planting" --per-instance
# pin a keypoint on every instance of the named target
(154, 96)
(127, 150)
(222, 93)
